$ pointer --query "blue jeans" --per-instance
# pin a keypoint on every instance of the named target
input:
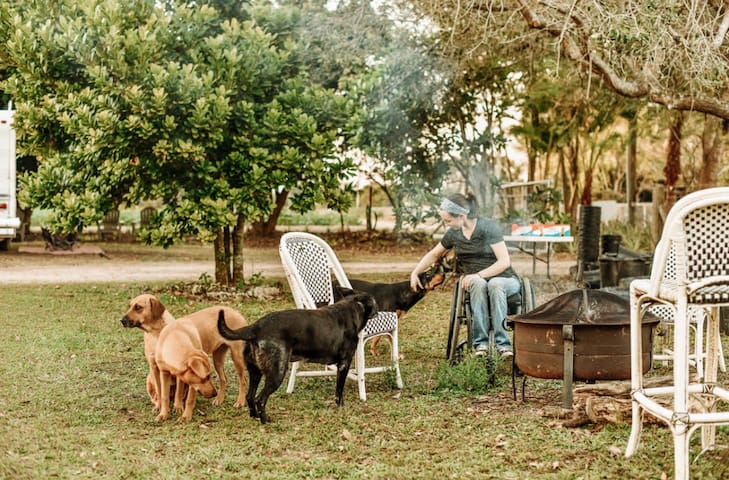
(495, 291)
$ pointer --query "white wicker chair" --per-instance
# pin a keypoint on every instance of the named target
(309, 264)
(696, 235)
(664, 350)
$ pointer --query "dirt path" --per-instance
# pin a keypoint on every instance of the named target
(109, 271)
(18, 268)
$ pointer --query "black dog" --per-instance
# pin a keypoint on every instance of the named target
(327, 335)
(394, 297)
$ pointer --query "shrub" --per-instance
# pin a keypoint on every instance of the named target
(472, 375)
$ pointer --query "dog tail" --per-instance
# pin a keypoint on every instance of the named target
(243, 333)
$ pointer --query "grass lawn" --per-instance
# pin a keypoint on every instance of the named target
(74, 405)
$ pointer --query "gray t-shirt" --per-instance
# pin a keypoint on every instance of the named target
(475, 254)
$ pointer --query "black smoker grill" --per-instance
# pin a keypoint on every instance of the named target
(617, 263)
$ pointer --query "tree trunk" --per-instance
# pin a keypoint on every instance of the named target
(238, 258)
(222, 274)
(531, 152)
(267, 227)
(672, 170)
(658, 209)
(586, 198)
(368, 210)
(24, 214)
(573, 174)
(566, 184)
(711, 145)
(630, 167)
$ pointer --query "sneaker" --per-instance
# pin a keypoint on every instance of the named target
(506, 352)
(481, 350)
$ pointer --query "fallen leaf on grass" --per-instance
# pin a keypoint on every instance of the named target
(615, 450)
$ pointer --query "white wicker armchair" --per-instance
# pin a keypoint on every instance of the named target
(690, 272)
(309, 264)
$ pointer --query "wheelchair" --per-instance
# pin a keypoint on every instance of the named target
(460, 332)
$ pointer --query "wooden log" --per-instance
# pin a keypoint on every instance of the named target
(610, 402)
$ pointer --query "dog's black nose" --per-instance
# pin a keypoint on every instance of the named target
(125, 322)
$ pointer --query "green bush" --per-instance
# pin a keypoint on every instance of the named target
(633, 237)
(319, 217)
(472, 375)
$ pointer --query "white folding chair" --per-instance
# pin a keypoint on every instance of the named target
(696, 235)
(309, 264)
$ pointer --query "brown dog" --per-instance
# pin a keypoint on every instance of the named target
(206, 322)
(179, 354)
(149, 314)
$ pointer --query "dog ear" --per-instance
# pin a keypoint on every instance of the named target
(158, 309)
(199, 365)
(368, 303)
(341, 292)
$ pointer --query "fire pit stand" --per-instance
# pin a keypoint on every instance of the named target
(580, 335)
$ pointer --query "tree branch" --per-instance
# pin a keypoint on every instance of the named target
(583, 53)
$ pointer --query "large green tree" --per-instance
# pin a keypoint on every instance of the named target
(130, 101)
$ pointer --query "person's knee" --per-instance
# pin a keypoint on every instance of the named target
(497, 287)
(478, 287)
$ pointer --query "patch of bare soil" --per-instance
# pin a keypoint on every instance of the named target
(360, 252)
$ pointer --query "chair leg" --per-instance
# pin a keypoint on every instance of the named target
(681, 440)
(635, 430)
(713, 361)
(292, 377)
(719, 352)
(699, 351)
(636, 371)
(396, 359)
(359, 366)
(680, 430)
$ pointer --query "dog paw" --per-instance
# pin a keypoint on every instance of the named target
(161, 417)
(217, 401)
(184, 418)
(239, 404)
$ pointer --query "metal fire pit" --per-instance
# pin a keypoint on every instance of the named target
(579, 335)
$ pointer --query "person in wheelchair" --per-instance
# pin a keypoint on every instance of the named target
(485, 263)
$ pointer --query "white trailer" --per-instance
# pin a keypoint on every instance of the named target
(9, 221)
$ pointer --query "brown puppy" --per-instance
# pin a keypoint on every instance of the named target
(327, 335)
(179, 354)
(148, 314)
(206, 322)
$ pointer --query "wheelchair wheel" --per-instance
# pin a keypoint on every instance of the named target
(528, 295)
(459, 321)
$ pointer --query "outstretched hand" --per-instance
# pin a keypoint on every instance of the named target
(415, 284)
